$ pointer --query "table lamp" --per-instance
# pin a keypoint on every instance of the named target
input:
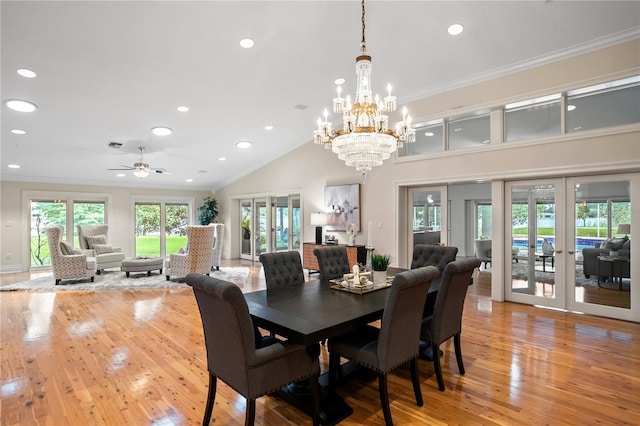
(624, 228)
(318, 220)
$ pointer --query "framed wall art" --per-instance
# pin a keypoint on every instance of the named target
(342, 205)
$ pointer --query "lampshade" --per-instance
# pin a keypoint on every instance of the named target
(318, 219)
(624, 228)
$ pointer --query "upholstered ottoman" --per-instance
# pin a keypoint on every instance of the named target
(142, 264)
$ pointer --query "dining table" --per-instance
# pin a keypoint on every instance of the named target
(311, 313)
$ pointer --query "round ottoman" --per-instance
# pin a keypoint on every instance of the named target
(142, 264)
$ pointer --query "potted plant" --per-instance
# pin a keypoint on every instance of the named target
(379, 264)
(208, 211)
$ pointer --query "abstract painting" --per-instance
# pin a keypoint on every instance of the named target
(342, 205)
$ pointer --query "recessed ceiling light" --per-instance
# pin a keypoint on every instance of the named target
(455, 29)
(247, 43)
(120, 175)
(222, 159)
(19, 105)
(269, 127)
(429, 134)
(339, 80)
(26, 73)
(189, 180)
(457, 129)
(161, 131)
(18, 131)
(183, 108)
(571, 107)
(243, 144)
(14, 166)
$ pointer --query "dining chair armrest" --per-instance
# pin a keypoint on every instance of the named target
(275, 351)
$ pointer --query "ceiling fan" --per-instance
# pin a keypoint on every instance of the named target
(142, 169)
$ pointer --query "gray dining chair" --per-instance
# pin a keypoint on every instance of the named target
(395, 342)
(282, 268)
(333, 261)
(234, 357)
(446, 320)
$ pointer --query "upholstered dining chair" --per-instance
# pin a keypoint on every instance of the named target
(198, 256)
(234, 357)
(67, 264)
(395, 342)
(446, 320)
(282, 268)
(333, 261)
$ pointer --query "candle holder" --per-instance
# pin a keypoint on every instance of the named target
(370, 250)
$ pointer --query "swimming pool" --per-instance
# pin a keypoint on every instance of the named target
(582, 242)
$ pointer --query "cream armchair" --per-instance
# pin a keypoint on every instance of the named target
(67, 265)
(94, 242)
(217, 245)
(198, 256)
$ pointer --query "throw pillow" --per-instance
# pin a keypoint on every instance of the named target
(102, 248)
(76, 251)
(95, 239)
(614, 244)
(66, 248)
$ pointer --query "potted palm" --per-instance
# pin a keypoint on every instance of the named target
(208, 211)
(379, 264)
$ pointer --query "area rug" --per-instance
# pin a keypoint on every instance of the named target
(520, 271)
(116, 280)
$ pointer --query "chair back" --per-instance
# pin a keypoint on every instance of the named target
(200, 240)
(433, 255)
(228, 329)
(333, 261)
(447, 313)
(401, 321)
(483, 250)
(282, 268)
(54, 237)
(217, 243)
(90, 231)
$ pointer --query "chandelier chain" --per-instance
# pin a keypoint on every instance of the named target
(363, 45)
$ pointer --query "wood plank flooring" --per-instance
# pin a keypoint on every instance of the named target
(138, 358)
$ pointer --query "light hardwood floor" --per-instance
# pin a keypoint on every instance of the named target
(138, 358)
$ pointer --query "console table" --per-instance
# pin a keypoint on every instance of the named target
(356, 254)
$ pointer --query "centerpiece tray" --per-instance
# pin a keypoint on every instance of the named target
(347, 285)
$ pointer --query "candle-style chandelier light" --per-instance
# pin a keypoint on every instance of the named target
(365, 139)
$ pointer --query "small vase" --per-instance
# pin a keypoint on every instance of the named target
(547, 247)
(379, 278)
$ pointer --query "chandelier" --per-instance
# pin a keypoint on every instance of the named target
(365, 139)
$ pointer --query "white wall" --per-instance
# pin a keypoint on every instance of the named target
(309, 168)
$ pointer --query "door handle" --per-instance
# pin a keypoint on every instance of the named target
(558, 251)
(571, 252)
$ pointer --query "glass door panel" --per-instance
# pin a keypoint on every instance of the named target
(86, 213)
(294, 222)
(245, 233)
(600, 226)
(261, 227)
(176, 220)
(44, 213)
(280, 223)
(535, 273)
(147, 229)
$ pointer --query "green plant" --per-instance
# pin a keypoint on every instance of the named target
(380, 262)
(208, 211)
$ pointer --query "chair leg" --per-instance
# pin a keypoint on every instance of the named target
(315, 399)
(58, 282)
(211, 397)
(384, 399)
(251, 412)
(437, 368)
(456, 343)
(167, 277)
(93, 279)
(416, 382)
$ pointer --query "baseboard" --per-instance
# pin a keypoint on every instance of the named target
(12, 269)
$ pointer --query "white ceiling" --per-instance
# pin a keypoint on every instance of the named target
(110, 71)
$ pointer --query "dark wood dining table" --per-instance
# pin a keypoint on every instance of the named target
(310, 313)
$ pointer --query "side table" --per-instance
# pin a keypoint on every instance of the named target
(615, 266)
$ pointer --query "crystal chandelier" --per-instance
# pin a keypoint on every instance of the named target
(365, 139)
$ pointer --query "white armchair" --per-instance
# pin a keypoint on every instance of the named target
(67, 266)
(93, 241)
(198, 256)
(217, 245)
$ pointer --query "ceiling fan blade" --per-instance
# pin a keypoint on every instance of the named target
(160, 170)
(127, 168)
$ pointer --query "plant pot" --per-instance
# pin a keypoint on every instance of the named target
(379, 277)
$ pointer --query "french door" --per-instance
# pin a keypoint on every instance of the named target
(427, 216)
(556, 226)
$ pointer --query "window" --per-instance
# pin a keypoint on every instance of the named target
(533, 118)
(483, 220)
(429, 140)
(161, 225)
(469, 132)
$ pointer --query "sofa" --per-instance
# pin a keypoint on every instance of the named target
(93, 240)
(590, 257)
